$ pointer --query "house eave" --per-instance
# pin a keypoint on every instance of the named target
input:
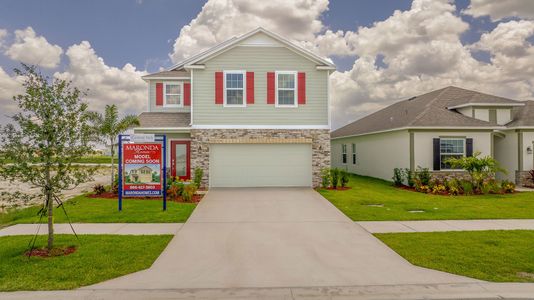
(451, 128)
(486, 104)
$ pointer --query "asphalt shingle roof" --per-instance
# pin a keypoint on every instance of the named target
(164, 119)
(523, 116)
(427, 110)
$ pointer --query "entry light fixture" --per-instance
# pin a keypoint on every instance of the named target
(529, 150)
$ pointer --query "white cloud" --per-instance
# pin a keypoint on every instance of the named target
(32, 49)
(222, 19)
(106, 84)
(3, 35)
(10, 86)
(499, 9)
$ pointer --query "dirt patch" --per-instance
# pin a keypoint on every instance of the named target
(43, 252)
(111, 196)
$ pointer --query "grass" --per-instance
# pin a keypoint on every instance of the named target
(372, 199)
(502, 256)
(82, 209)
(98, 258)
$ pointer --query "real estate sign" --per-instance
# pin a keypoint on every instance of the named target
(142, 169)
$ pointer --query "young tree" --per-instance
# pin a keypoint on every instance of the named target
(110, 126)
(52, 130)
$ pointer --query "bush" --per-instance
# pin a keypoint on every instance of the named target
(453, 186)
(531, 173)
(175, 190)
(423, 176)
(188, 192)
(98, 189)
(507, 186)
(115, 187)
(197, 179)
(334, 175)
(325, 178)
(467, 187)
(409, 174)
(398, 177)
(479, 168)
(344, 178)
(439, 189)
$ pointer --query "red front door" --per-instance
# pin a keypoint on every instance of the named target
(180, 159)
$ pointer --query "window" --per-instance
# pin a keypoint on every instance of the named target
(173, 94)
(353, 154)
(234, 88)
(286, 89)
(344, 153)
(450, 148)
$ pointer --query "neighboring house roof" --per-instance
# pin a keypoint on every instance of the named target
(427, 110)
(167, 75)
(523, 116)
(164, 119)
(226, 45)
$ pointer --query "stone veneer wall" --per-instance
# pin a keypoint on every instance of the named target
(522, 178)
(200, 145)
(442, 175)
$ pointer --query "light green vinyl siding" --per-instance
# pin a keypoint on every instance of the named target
(260, 60)
(152, 98)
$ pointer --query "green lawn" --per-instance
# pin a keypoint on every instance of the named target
(373, 199)
(82, 209)
(98, 258)
(503, 256)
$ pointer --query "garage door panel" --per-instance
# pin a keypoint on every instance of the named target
(248, 165)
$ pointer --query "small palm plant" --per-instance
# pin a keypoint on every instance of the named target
(110, 126)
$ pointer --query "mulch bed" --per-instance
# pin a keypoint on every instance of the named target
(412, 189)
(43, 252)
(111, 196)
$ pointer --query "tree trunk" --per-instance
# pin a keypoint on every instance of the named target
(50, 202)
(112, 167)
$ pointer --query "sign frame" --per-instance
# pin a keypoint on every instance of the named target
(158, 138)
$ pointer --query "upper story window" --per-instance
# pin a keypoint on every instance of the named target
(234, 88)
(173, 94)
(286, 89)
(344, 153)
(450, 148)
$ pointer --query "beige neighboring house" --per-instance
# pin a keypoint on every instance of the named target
(252, 111)
(142, 174)
(426, 130)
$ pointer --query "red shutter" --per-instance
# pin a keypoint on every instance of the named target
(270, 88)
(159, 94)
(219, 90)
(302, 87)
(250, 87)
(187, 94)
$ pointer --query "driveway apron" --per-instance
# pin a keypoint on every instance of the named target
(274, 237)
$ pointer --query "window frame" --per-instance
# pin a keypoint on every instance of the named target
(344, 154)
(464, 154)
(295, 94)
(242, 72)
(353, 146)
(181, 84)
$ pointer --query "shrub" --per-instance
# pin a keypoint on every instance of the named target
(334, 175)
(423, 188)
(438, 189)
(344, 178)
(188, 192)
(531, 173)
(115, 187)
(479, 168)
(423, 176)
(398, 177)
(175, 190)
(485, 187)
(98, 189)
(507, 186)
(197, 179)
(453, 186)
(467, 187)
(325, 178)
(409, 174)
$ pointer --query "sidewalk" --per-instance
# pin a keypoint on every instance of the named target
(96, 228)
(446, 225)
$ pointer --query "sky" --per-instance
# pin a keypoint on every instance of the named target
(384, 50)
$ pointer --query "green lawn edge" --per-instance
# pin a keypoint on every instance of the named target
(98, 258)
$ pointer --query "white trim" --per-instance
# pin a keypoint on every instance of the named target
(415, 128)
(242, 72)
(520, 127)
(148, 101)
(181, 84)
(164, 78)
(191, 67)
(329, 68)
(165, 129)
(191, 100)
(228, 44)
(464, 154)
(260, 127)
(486, 104)
(295, 89)
(328, 99)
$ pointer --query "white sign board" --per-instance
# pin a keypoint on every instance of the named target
(142, 138)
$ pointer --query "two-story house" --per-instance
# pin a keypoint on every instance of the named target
(252, 111)
(426, 130)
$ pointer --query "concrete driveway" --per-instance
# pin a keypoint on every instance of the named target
(274, 237)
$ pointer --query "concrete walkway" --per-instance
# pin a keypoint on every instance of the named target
(274, 237)
(96, 228)
(446, 225)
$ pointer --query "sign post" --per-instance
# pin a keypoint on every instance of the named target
(142, 167)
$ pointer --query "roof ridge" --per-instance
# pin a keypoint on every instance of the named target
(428, 106)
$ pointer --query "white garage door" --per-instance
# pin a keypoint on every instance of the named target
(256, 165)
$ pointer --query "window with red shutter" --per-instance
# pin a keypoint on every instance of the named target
(250, 87)
(302, 87)
(159, 94)
(187, 94)
(270, 88)
(219, 88)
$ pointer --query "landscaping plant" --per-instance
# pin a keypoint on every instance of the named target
(188, 192)
(175, 190)
(197, 179)
(507, 186)
(325, 178)
(398, 177)
(409, 175)
(531, 173)
(423, 176)
(98, 189)
(334, 175)
(478, 168)
(51, 131)
(344, 177)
